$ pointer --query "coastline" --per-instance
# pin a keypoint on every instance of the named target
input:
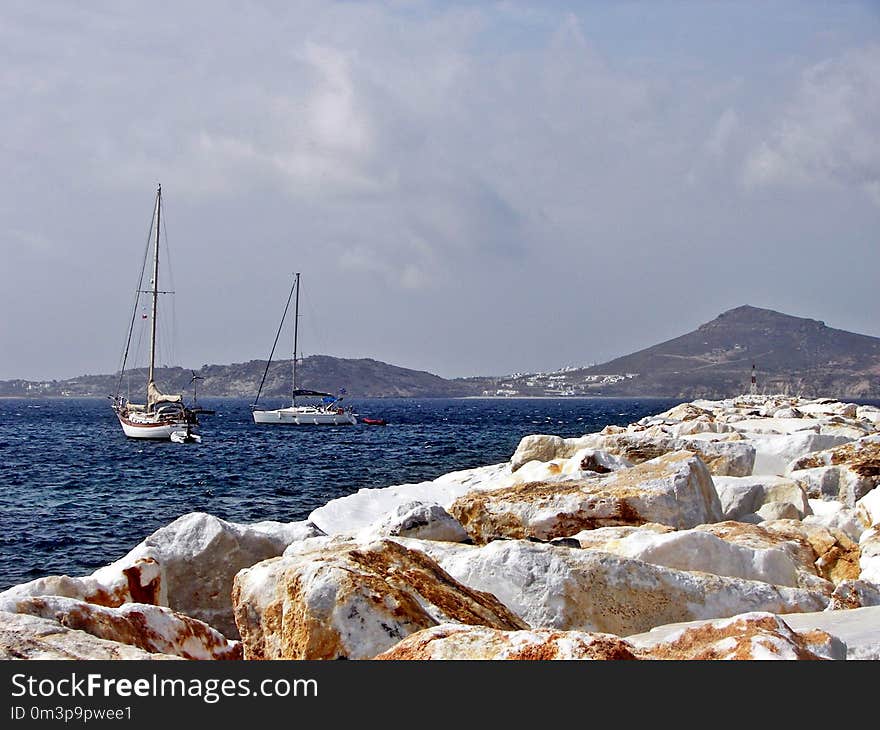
(691, 501)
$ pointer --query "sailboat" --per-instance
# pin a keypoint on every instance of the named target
(161, 415)
(327, 411)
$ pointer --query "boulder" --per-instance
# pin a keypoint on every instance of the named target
(458, 642)
(188, 566)
(337, 599)
(675, 489)
(749, 636)
(419, 520)
(154, 629)
(550, 586)
(30, 637)
(845, 473)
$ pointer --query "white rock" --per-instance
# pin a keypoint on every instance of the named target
(347, 515)
(869, 562)
(586, 590)
(421, 520)
(32, 637)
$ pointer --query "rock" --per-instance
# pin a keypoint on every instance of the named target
(355, 512)
(833, 516)
(724, 457)
(845, 473)
(869, 558)
(854, 594)
(698, 550)
(538, 447)
(345, 600)
(31, 637)
(587, 590)
(674, 489)
(774, 453)
(152, 628)
(743, 496)
(187, 566)
(454, 641)
(835, 556)
(419, 520)
(778, 511)
(750, 636)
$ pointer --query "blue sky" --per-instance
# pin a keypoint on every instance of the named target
(467, 188)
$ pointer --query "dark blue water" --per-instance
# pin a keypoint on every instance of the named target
(76, 494)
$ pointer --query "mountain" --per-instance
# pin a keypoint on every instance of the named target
(363, 378)
(790, 354)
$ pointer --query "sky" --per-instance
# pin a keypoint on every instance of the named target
(467, 188)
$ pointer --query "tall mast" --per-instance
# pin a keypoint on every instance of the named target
(295, 330)
(155, 288)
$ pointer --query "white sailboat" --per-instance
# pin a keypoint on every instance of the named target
(327, 411)
(162, 415)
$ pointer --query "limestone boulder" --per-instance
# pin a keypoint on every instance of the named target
(421, 520)
(23, 636)
(845, 473)
(187, 566)
(850, 594)
(834, 516)
(551, 586)
(750, 636)
(338, 599)
(675, 489)
(154, 629)
(774, 453)
(742, 497)
(458, 642)
(721, 455)
(869, 558)
(353, 513)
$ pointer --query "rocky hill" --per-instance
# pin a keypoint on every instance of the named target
(791, 355)
(363, 378)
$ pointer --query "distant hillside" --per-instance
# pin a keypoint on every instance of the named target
(362, 378)
(791, 355)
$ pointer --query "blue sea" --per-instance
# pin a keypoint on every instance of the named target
(77, 494)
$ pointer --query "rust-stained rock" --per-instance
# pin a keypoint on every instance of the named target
(835, 555)
(845, 473)
(454, 641)
(725, 455)
(675, 489)
(751, 636)
(851, 594)
(31, 637)
(187, 565)
(345, 600)
(152, 628)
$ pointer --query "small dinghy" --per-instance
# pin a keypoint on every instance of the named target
(374, 421)
(185, 437)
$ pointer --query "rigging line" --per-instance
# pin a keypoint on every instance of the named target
(274, 344)
(137, 295)
(172, 349)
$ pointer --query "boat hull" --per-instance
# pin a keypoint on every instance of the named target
(304, 417)
(158, 430)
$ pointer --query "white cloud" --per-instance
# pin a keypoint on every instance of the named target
(723, 133)
(828, 133)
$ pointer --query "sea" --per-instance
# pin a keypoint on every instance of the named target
(77, 494)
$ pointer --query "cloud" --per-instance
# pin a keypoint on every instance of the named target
(828, 132)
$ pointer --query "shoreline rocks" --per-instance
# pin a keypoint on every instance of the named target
(745, 528)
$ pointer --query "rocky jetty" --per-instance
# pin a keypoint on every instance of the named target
(745, 528)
